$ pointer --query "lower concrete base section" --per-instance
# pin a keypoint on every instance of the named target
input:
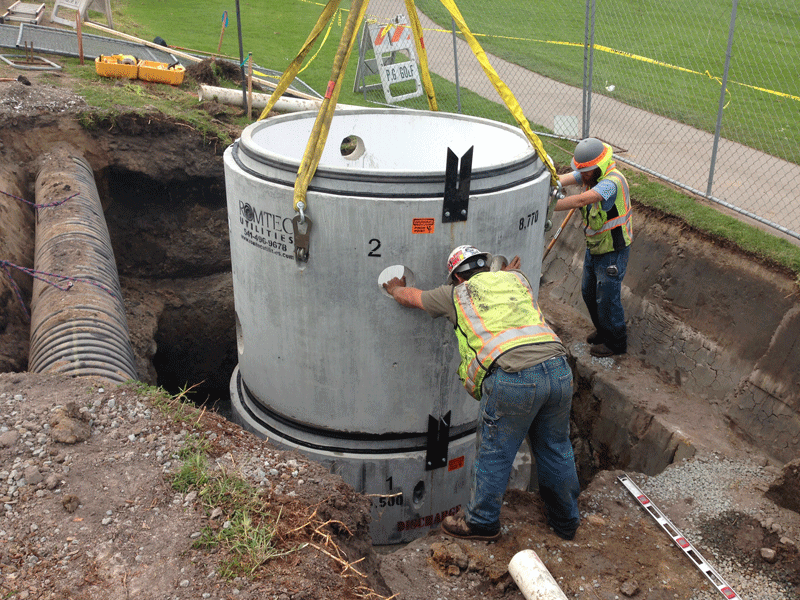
(408, 500)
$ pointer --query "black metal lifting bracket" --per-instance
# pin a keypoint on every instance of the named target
(456, 187)
(438, 441)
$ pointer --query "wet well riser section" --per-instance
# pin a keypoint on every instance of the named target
(327, 361)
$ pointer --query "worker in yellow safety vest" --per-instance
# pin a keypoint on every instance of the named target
(516, 366)
(605, 206)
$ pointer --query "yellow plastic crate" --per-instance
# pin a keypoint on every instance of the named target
(161, 72)
(117, 65)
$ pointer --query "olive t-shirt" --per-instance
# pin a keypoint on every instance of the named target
(439, 302)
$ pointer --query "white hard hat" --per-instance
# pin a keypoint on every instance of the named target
(465, 258)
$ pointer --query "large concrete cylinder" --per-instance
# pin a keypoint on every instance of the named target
(328, 363)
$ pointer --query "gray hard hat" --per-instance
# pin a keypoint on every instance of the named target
(587, 154)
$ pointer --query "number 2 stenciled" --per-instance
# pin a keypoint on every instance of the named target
(376, 244)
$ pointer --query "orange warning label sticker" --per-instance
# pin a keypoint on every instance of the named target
(422, 225)
(455, 463)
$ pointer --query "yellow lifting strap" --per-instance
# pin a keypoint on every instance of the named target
(291, 71)
(502, 89)
(319, 133)
(422, 54)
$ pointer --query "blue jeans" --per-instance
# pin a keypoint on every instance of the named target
(601, 293)
(538, 399)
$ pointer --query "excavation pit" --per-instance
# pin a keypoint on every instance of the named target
(639, 412)
(169, 231)
(164, 198)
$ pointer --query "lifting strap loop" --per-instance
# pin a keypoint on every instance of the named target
(422, 54)
(502, 89)
(319, 133)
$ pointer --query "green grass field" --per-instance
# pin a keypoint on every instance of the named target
(274, 32)
(672, 66)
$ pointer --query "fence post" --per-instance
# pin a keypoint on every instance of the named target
(455, 64)
(588, 48)
(722, 98)
(241, 54)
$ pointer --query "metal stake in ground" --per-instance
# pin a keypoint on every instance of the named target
(241, 54)
(679, 539)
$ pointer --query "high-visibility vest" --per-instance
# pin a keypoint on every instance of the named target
(612, 230)
(496, 311)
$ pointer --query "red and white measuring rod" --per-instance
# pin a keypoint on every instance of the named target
(679, 540)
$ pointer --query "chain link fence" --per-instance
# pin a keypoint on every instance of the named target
(704, 95)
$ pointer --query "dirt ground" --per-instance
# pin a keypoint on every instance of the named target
(87, 468)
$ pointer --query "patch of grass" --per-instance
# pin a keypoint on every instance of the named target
(706, 218)
(247, 538)
(193, 473)
(681, 58)
(194, 444)
(110, 97)
(247, 542)
(177, 407)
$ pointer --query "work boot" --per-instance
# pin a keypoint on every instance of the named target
(601, 351)
(594, 338)
(564, 534)
(457, 527)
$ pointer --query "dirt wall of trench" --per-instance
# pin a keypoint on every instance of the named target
(717, 323)
(161, 185)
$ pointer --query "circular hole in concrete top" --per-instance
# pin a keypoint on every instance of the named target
(352, 147)
(396, 271)
(498, 262)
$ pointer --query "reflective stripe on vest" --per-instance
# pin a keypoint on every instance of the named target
(623, 219)
(483, 338)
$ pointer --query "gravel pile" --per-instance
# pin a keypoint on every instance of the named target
(88, 510)
(720, 490)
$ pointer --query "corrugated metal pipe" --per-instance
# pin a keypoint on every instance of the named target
(78, 323)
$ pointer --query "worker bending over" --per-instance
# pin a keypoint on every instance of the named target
(516, 366)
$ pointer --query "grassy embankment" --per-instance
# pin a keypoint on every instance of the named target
(275, 31)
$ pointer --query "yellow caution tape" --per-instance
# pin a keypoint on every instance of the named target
(292, 70)
(718, 80)
(612, 51)
(502, 89)
(321, 46)
(630, 55)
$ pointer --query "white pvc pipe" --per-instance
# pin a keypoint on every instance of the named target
(532, 577)
(234, 98)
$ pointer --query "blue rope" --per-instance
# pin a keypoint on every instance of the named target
(57, 203)
(40, 275)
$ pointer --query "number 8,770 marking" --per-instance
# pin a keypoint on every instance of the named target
(526, 222)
